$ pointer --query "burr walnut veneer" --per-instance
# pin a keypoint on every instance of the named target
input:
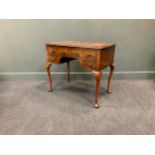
(92, 56)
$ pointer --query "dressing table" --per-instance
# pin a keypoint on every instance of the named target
(93, 56)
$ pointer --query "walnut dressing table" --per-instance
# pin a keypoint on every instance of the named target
(91, 55)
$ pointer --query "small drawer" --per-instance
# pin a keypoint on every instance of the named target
(82, 53)
(88, 54)
(52, 52)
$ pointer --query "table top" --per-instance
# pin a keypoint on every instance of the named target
(92, 45)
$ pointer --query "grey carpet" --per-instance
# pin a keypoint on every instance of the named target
(26, 107)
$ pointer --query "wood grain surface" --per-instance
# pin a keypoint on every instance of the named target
(92, 45)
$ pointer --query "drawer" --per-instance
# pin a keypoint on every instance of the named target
(62, 51)
(86, 54)
(53, 55)
(52, 51)
(82, 53)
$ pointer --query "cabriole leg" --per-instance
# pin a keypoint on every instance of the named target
(112, 68)
(68, 71)
(98, 76)
(48, 67)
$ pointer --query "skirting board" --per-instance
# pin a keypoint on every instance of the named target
(75, 75)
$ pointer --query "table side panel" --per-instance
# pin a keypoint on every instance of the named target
(106, 57)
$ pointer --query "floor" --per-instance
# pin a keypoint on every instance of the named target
(26, 107)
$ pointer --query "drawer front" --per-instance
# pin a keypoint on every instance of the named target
(82, 53)
(53, 55)
(88, 58)
(62, 51)
(89, 62)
